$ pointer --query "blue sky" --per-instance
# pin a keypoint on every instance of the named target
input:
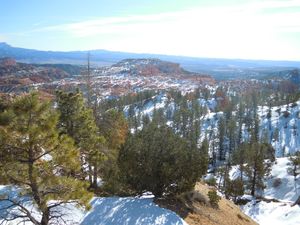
(250, 29)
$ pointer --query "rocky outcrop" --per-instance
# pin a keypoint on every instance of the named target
(5, 62)
(156, 67)
(18, 76)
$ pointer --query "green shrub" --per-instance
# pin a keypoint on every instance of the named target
(234, 188)
(156, 159)
(211, 181)
(214, 199)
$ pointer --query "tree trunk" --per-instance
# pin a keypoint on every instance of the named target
(90, 175)
(295, 172)
(297, 202)
(253, 182)
(241, 171)
(33, 185)
(45, 217)
(95, 175)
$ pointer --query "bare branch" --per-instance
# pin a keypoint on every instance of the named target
(21, 209)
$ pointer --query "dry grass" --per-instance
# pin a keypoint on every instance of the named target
(196, 210)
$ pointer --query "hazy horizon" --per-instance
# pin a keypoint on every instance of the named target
(249, 29)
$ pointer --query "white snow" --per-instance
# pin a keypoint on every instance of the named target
(289, 189)
(273, 213)
(282, 212)
(129, 211)
(106, 211)
(288, 127)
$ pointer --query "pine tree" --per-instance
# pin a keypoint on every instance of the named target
(33, 156)
(158, 117)
(145, 120)
(204, 149)
(234, 188)
(241, 111)
(239, 158)
(114, 127)
(259, 161)
(78, 122)
(221, 128)
(232, 135)
(294, 169)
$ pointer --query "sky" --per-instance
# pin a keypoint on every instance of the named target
(245, 29)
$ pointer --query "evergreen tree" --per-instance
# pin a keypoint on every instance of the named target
(157, 160)
(78, 122)
(145, 120)
(234, 188)
(259, 161)
(221, 128)
(33, 156)
(239, 158)
(158, 117)
(114, 127)
(232, 135)
(204, 149)
(241, 111)
(294, 169)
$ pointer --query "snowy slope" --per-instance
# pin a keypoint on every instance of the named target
(129, 211)
(288, 127)
(283, 211)
(106, 211)
(289, 189)
(284, 120)
(273, 213)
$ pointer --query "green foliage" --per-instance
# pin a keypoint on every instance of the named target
(5, 115)
(78, 122)
(214, 199)
(114, 128)
(211, 181)
(239, 158)
(259, 158)
(157, 160)
(33, 156)
(221, 129)
(255, 161)
(234, 188)
(204, 160)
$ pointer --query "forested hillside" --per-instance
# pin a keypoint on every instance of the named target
(156, 140)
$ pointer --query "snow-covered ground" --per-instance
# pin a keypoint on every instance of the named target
(129, 211)
(287, 192)
(273, 213)
(287, 128)
(106, 211)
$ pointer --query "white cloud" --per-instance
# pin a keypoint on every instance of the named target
(242, 31)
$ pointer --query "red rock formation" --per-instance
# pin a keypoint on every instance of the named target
(8, 62)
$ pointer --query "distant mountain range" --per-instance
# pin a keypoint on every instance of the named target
(220, 68)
